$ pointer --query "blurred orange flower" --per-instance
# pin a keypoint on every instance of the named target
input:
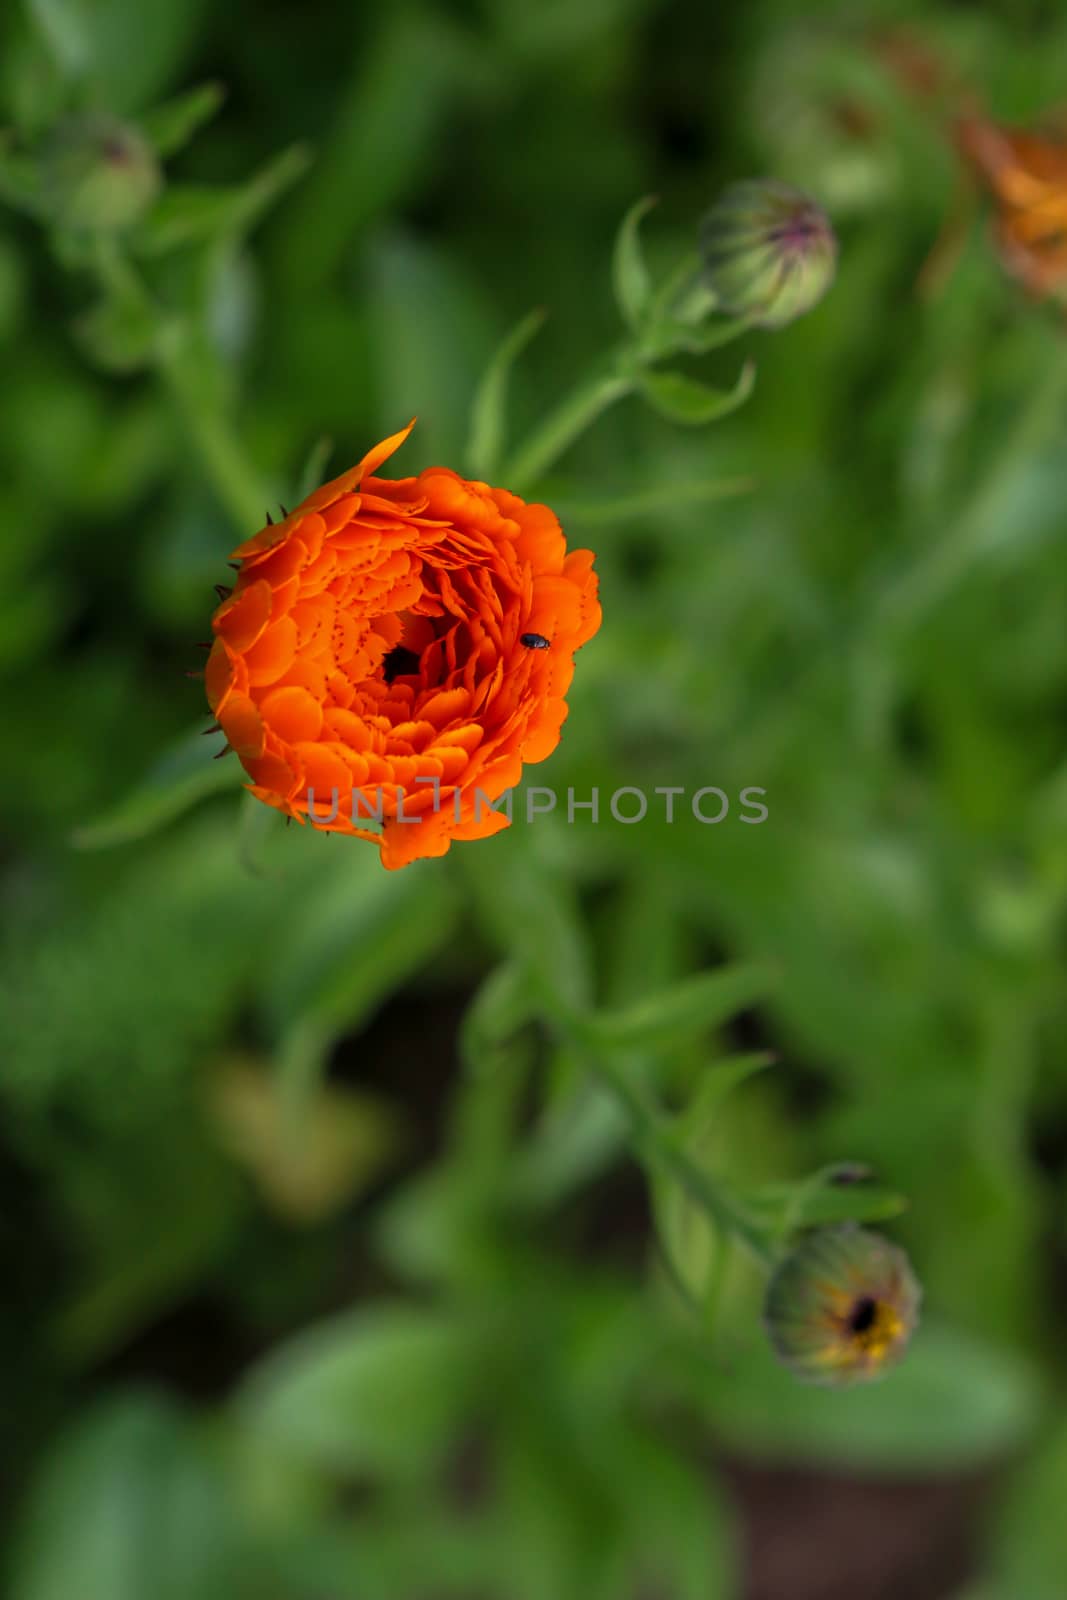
(371, 657)
(1027, 175)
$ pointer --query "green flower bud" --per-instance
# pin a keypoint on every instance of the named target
(768, 252)
(841, 1306)
(98, 174)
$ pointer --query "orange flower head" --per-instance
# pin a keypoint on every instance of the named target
(395, 650)
(1026, 173)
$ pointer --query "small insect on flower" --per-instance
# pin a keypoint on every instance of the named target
(361, 667)
(842, 1306)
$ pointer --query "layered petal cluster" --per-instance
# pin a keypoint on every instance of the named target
(371, 659)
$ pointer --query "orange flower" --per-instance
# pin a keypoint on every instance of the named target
(370, 659)
(1027, 175)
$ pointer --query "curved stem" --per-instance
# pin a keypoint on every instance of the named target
(659, 1147)
(235, 480)
(563, 426)
(234, 477)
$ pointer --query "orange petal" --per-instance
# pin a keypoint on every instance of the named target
(271, 772)
(242, 618)
(292, 714)
(543, 739)
(243, 726)
(325, 771)
(224, 673)
(404, 842)
(444, 706)
(383, 451)
(489, 823)
(273, 654)
(556, 607)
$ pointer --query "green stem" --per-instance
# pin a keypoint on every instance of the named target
(235, 479)
(676, 286)
(567, 423)
(178, 367)
(621, 375)
(658, 1146)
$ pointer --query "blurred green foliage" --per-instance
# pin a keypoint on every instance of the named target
(325, 1270)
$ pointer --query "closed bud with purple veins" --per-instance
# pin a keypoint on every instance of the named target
(768, 251)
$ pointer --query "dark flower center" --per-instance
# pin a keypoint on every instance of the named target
(863, 1316)
(399, 662)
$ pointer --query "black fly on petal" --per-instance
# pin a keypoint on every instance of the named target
(534, 641)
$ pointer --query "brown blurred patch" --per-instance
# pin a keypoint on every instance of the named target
(823, 1536)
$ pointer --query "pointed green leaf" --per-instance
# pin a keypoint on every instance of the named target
(314, 470)
(717, 1083)
(487, 428)
(953, 1403)
(823, 1199)
(629, 271)
(685, 1009)
(65, 29)
(380, 1390)
(185, 774)
(670, 337)
(686, 400)
(549, 940)
(143, 1504)
(648, 502)
(170, 127)
(503, 1005)
(189, 214)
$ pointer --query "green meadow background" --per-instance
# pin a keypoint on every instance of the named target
(329, 1272)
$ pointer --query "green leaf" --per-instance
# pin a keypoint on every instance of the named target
(127, 1505)
(118, 335)
(170, 127)
(669, 337)
(629, 272)
(114, 61)
(381, 1390)
(691, 1007)
(487, 424)
(530, 914)
(686, 400)
(502, 1005)
(355, 943)
(717, 1082)
(953, 1403)
(184, 775)
(699, 342)
(65, 28)
(822, 1199)
(1027, 1543)
(314, 469)
(346, 952)
(677, 1527)
(189, 214)
(643, 503)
